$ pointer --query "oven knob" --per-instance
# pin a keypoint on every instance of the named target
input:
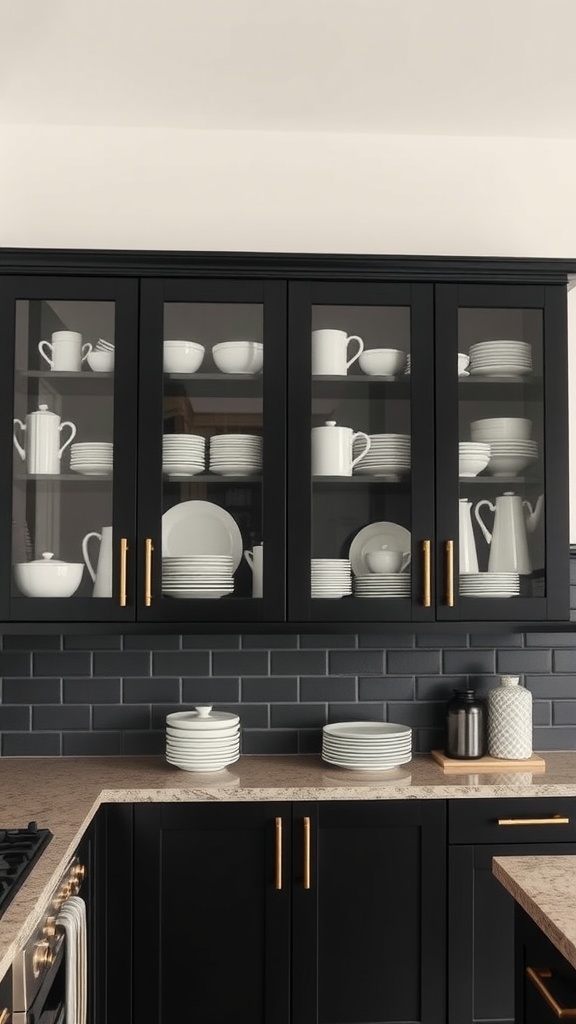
(49, 930)
(43, 957)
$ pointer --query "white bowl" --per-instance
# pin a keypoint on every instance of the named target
(500, 428)
(509, 465)
(182, 356)
(239, 356)
(463, 361)
(46, 578)
(471, 465)
(382, 362)
(101, 362)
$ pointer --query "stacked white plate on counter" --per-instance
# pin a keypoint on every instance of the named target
(383, 584)
(489, 584)
(202, 740)
(236, 454)
(367, 746)
(331, 577)
(183, 454)
(197, 576)
(92, 458)
(388, 456)
(501, 358)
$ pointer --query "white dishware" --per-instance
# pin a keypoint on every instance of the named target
(514, 519)
(389, 456)
(197, 527)
(182, 356)
(42, 451)
(382, 585)
(65, 352)
(202, 740)
(384, 362)
(490, 584)
(466, 542)
(463, 363)
(387, 561)
(374, 537)
(48, 577)
(473, 457)
(332, 449)
(239, 356)
(103, 346)
(203, 718)
(330, 352)
(366, 746)
(255, 559)
(101, 361)
(102, 575)
(500, 428)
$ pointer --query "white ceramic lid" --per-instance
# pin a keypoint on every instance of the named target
(48, 559)
(203, 718)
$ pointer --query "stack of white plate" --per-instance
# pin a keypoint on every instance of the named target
(92, 458)
(104, 346)
(501, 358)
(490, 584)
(473, 457)
(383, 584)
(183, 454)
(408, 365)
(331, 577)
(202, 740)
(510, 457)
(388, 456)
(189, 576)
(236, 454)
(367, 746)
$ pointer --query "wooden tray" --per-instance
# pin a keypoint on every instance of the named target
(534, 763)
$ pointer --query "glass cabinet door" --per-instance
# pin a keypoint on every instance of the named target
(72, 353)
(212, 451)
(361, 463)
(496, 550)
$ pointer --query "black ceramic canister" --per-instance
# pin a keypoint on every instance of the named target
(465, 725)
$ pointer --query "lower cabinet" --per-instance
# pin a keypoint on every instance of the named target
(330, 913)
(545, 981)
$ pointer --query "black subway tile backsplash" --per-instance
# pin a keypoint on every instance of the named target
(209, 690)
(564, 660)
(92, 691)
(32, 744)
(516, 662)
(270, 691)
(31, 691)
(386, 688)
(181, 663)
(357, 663)
(240, 663)
(17, 663)
(56, 663)
(469, 662)
(91, 744)
(375, 712)
(75, 642)
(414, 663)
(121, 716)
(315, 688)
(151, 691)
(61, 717)
(122, 663)
(14, 719)
(297, 716)
(270, 741)
(298, 663)
(29, 642)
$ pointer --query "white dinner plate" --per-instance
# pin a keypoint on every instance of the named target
(372, 538)
(198, 528)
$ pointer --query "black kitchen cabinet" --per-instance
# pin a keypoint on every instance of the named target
(177, 457)
(480, 911)
(302, 913)
(545, 980)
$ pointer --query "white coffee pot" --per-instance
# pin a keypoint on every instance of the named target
(42, 451)
(332, 449)
(466, 542)
(514, 519)
(102, 575)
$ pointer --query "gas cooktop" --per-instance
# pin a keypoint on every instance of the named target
(19, 849)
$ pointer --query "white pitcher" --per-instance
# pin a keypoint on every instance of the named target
(466, 542)
(42, 450)
(330, 352)
(509, 538)
(102, 577)
(255, 559)
(332, 449)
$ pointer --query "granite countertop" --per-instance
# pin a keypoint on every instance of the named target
(63, 794)
(545, 887)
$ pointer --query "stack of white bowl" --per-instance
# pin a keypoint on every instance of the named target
(92, 458)
(236, 454)
(331, 577)
(473, 457)
(382, 362)
(511, 449)
(367, 746)
(101, 358)
(202, 740)
(506, 358)
(388, 456)
(239, 356)
(183, 454)
(197, 576)
(490, 584)
(182, 356)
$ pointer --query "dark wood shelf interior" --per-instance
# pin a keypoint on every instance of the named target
(83, 382)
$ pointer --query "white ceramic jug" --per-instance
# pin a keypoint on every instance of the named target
(255, 559)
(330, 352)
(467, 544)
(42, 440)
(509, 538)
(102, 577)
(332, 449)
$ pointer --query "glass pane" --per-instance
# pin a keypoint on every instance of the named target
(212, 445)
(63, 438)
(501, 453)
(361, 452)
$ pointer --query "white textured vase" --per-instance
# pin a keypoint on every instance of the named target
(510, 720)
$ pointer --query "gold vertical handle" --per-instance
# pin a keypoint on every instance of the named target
(450, 573)
(278, 854)
(123, 598)
(536, 976)
(5, 1016)
(426, 576)
(149, 548)
(306, 870)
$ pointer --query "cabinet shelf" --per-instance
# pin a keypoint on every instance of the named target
(359, 481)
(81, 382)
(213, 384)
(360, 386)
(495, 389)
(62, 478)
(210, 478)
(502, 481)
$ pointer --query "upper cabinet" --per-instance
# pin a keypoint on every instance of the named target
(250, 440)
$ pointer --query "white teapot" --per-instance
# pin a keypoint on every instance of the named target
(42, 450)
(332, 449)
(514, 519)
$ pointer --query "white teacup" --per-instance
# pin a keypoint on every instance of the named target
(330, 352)
(385, 560)
(65, 352)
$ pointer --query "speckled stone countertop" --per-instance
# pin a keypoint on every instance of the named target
(545, 887)
(63, 794)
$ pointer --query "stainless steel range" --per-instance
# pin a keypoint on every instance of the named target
(19, 849)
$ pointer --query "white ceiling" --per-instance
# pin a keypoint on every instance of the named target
(456, 67)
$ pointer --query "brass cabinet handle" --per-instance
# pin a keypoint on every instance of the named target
(278, 854)
(149, 548)
(450, 573)
(536, 976)
(426, 577)
(306, 871)
(123, 571)
(555, 820)
(5, 1016)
